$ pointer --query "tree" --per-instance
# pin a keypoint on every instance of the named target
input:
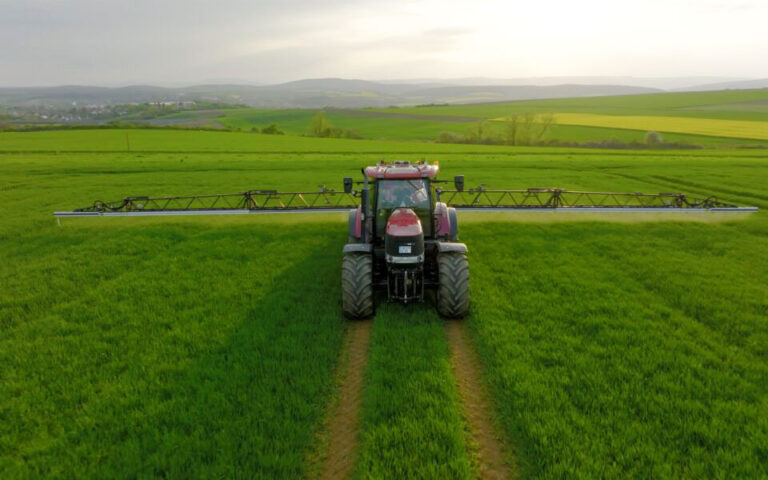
(319, 126)
(526, 129)
(546, 121)
(653, 138)
(476, 132)
(510, 132)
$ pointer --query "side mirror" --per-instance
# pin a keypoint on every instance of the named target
(347, 185)
(458, 182)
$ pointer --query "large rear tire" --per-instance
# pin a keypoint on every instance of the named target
(453, 287)
(357, 285)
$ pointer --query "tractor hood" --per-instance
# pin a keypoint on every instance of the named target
(404, 223)
(404, 241)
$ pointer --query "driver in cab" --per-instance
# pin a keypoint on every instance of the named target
(405, 195)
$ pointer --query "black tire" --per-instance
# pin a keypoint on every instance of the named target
(357, 285)
(454, 235)
(453, 287)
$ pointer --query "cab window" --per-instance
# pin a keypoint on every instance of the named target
(403, 193)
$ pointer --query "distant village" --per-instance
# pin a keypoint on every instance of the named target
(98, 113)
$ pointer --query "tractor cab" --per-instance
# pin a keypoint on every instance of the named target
(392, 195)
(401, 185)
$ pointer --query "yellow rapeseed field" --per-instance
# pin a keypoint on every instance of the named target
(697, 126)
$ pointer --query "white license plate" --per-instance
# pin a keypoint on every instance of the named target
(404, 249)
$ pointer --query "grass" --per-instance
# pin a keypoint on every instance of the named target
(165, 350)
(172, 142)
(206, 346)
(412, 426)
(648, 360)
(141, 146)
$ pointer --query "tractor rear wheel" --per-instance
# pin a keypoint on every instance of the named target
(357, 285)
(453, 287)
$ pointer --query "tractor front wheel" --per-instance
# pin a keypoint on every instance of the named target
(357, 285)
(453, 287)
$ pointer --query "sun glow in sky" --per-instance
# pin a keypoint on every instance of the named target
(50, 42)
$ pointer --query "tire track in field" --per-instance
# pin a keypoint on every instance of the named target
(477, 409)
(343, 425)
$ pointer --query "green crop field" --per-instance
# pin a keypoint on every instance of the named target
(206, 347)
(727, 104)
(709, 119)
(697, 126)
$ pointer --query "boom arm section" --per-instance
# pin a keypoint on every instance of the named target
(252, 201)
(482, 199)
(328, 200)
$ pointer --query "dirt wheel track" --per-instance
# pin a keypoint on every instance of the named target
(343, 424)
(477, 409)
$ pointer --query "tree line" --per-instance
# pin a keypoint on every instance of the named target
(517, 129)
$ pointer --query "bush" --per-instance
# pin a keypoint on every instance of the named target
(450, 137)
(272, 130)
(353, 134)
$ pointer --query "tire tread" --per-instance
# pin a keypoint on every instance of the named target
(453, 288)
(357, 285)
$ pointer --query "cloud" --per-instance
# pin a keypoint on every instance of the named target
(183, 41)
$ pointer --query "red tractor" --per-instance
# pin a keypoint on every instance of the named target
(402, 236)
(409, 242)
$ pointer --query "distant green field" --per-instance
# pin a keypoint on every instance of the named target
(745, 129)
(179, 141)
(583, 133)
(205, 347)
(296, 122)
(670, 104)
(159, 140)
(426, 123)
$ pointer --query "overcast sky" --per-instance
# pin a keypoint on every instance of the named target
(49, 42)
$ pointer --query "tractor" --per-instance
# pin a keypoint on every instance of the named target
(404, 239)
(403, 233)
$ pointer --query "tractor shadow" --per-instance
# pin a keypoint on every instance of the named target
(249, 406)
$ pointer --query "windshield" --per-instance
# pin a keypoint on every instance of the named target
(411, 193)
(403, 193)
